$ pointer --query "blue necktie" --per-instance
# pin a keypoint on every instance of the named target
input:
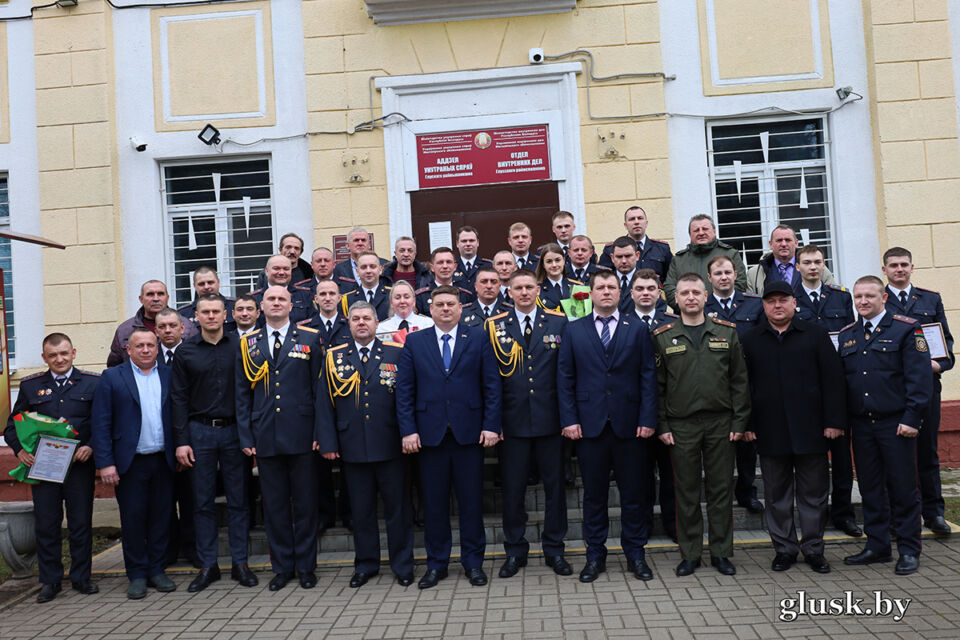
(783, 270)
(447, 354)
(605, 332)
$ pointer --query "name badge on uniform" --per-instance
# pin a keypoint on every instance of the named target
(718, 343)
(680, 348)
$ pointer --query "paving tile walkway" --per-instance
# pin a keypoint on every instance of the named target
(535, 604)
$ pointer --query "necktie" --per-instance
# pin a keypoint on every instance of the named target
(169, 360)
(725, 303)
(404, 325)
(61, 380)
(783, 270)
(370, 296)
(446, 353)
(329, 325)
(467, 265)
(527, 330)
(580, 275)
(521, 263)
(867, 328)
(647, 319)
(486, 311)
(276, 345)
(814, 298)
(564, 250)
(605, 331)
(364, 355)
(623, 282)
(903, 298)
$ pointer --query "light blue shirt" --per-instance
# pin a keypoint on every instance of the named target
(453, 339)
(151, 414)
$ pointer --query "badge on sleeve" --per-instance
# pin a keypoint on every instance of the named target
(920, 340)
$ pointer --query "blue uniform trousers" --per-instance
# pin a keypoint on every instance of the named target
(928, 461)
(289, 489)
(213, 447)
(49, 499)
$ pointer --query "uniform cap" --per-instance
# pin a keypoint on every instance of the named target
(778, 286)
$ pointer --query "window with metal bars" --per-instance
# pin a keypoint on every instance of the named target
(6, 263)
(765, 173)
(218, 214)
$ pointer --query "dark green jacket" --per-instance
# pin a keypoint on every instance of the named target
(708, 380)
(694, 259)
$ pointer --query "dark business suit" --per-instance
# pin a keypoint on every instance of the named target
(797, 390)
(531, 429)
(277, 416)
(449, 409)
(145, 491)
(362, 427)
(72, 401)
(609, 393)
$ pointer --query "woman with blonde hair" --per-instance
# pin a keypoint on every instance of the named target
(403, 315)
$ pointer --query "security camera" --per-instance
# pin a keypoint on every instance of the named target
(138, 144)
(535, 56)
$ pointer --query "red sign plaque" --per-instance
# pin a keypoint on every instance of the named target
(340, 249)
(457, 159)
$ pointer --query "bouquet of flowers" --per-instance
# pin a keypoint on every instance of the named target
(579, 303)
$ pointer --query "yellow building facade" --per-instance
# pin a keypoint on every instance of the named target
(326, 109)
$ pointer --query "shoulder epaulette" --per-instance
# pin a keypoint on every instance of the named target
(502, 314)
(32, 376)
(299, 288)
(670, 315)
(574, 281)
(508, 305)
(349, 293)
(258, 292)
(927, 290)
(421, 290)
(659, 241)
(228, 299)
(250, 333)
(836, 287)
(852, 324)
(387, 287)
(726, 323)
(303, 322)
(663, 328)
(609, 244)
(346, 278)
(302, 282)
(465, 290)
(84, 372)
(904, 319)
(554, 312)
(306, 328)
(179, 309)
(389, 344)
(339, 346)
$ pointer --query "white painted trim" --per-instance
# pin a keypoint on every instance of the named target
(954, 16)
(853, 177)
(553, 85)
(257, 15)
(139, 172)
(19, 160)
(816, 74)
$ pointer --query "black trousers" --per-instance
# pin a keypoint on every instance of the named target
(328, 504)
(289, 489)
(665, 490)
(515, 457)
(367, 480)
(145, 498)
(841, 479)
(183, 535)
(631, 462)
(928, 460)
(800, 479)
(745, 488)
(887, 465)
(49, 499)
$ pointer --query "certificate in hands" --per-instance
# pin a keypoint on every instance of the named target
(936, 342)
(52, 459)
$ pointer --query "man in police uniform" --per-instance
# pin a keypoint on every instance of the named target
(488, 302)
(328, 319)
(887, 366)
(831, 307)
(520, 239)
(704, 407)
(469, 264)
(526, 342)
(356, 407)
(745, 310)
(322, 263)
(246, 313)
(926, 307)
(651, 309)
(653, 254)
(278, 369)
(279, 274)
(624, 257)
(372, 288)
(61, 391)
(505, 265)
(583, 259)
(443, 263)
(207, 282)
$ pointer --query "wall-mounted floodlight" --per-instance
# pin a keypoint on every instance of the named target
(209, 135)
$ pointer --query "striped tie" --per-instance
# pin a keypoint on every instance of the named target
(605, 332)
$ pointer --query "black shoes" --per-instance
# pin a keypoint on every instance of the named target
(640, 569)
(592, 570)
(280, 581)
(907, 564)
(360, 578)
(206, 577)
(817, 563)
(86, 587)
(512, 565)
(137, 589)
(849, 527)
(687, 567)
(431, 578)
(476, 577)
(782, 562)
(48, 592)
(405, 580)
(162, 583)
(752, 505)
(559, 565)
(724, 566)
(867, 556)
(938, 525)
(308, 580)
(242, 574)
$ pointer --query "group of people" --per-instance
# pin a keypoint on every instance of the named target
(365, 363)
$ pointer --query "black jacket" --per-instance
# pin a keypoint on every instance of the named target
(797, 387)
